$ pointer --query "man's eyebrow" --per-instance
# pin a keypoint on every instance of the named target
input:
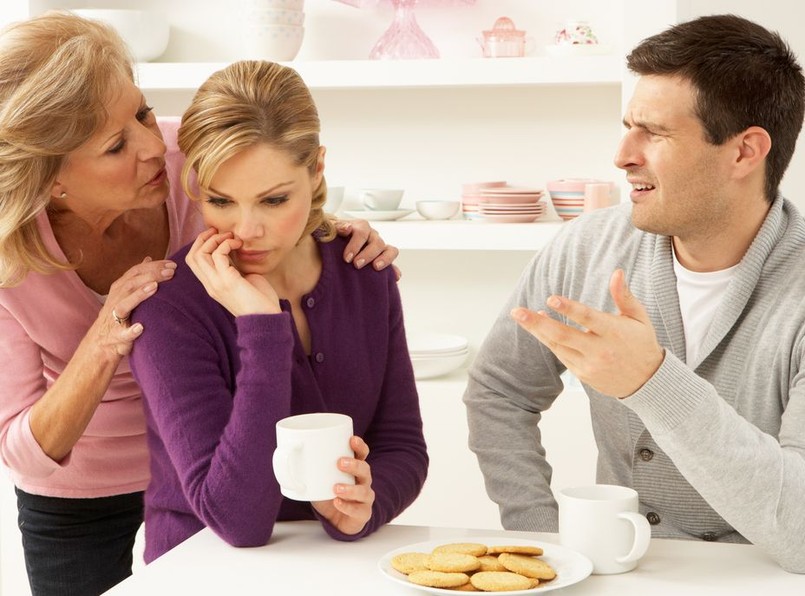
(652, 126)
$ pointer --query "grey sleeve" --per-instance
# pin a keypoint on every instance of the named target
(755, 481)
(511, 382)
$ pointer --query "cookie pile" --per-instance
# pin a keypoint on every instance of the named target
(474, 567)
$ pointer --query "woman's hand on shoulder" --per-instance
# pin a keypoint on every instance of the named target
(352, 507)
(209, 260)
(366, 246)
(112, 329)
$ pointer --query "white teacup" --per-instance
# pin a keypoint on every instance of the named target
(306, 459)
(381, 199)
(602, 522)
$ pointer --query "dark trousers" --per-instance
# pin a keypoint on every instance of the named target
(78, 547)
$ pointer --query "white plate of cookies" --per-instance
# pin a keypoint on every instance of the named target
(502, 565)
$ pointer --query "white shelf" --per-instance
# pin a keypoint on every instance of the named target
(417, 234)
(368, 74)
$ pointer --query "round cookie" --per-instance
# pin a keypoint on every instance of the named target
(438, 579)
(500, 581)
(528, 566)
(468, 587)
(452, 562)
(409, 562)
(534, 551)
(490, 563)
(466, 548)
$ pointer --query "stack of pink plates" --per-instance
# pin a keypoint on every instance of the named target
(502, 203)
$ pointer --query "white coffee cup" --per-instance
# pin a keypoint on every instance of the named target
(381, 199)
(602, 522)
(306, 459)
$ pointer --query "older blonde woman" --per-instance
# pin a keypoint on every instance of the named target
(90, 205)
(263, 320)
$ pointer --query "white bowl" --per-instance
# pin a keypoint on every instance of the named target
(335, 196)
(437, 209)
(276, 17)
(273, 42)
(429, 344)
(436, 366)
(274, 4)
(380, 199)
(146, 32)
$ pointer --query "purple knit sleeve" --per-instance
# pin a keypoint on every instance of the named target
(219, 442)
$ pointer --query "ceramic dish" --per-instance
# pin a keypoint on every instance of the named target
(371, 215)
(436, 343)
(511, 190)
(571, 567)
(507, 218)
(428, 367)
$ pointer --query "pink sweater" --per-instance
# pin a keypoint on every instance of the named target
(42, 321)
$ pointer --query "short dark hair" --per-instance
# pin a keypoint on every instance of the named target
(744, 75)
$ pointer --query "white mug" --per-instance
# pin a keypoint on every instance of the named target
(602, 522)
(306, 459)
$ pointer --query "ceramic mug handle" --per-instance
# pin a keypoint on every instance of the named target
(286, 462)
(642, 536)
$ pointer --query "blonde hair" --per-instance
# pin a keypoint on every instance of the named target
(56, 73)
(246, 103)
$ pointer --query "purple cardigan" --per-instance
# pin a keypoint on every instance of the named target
(215, 385)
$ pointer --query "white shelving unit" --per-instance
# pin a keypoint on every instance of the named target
(416, 234)
(373, 74)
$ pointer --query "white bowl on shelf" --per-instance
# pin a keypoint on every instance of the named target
(428, 344)
(276, 4)
(146, 32)
(437, 209)
(280, 43)
(276, 17)
(437, 365)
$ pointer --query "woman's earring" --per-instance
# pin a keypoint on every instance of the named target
(63, 195)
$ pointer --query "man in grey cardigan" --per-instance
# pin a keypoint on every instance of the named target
(683, 314)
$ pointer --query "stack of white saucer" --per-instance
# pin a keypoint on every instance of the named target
(436, 354)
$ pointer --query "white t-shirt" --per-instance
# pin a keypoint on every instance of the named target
(699, 297)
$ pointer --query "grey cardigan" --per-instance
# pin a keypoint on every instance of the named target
(715, 448)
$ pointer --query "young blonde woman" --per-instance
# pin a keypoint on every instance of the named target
(90, 205)
(263, 320)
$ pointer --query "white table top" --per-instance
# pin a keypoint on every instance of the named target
(302, 559)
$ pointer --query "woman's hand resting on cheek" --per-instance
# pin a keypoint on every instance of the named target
(209, 259)
(352, 507)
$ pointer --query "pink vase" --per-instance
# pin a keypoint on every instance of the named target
(404, 39)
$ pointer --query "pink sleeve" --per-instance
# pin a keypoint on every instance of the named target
(23, 383)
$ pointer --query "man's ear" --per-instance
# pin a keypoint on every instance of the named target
(753, 145)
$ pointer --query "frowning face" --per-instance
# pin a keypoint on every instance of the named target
(679, 180)
(263, 197)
